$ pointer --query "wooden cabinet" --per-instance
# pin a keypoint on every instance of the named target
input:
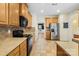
(14, 14)
(50, 20)
(23, 10)
(61, 52)
(30, 20)
(23, 50)
(4, 13)
(48, 35)
(76, 36)
(15, 52)
(9, 14)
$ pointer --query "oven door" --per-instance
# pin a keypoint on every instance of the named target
(29, 43)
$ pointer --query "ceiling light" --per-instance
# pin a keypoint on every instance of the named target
(54, 4)
(58, 11)
(42, 11)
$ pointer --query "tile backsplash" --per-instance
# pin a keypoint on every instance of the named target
(4, 32)
(7, 32)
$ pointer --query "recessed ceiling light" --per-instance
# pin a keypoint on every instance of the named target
(42, 11)
(54, 4)
(58, 11)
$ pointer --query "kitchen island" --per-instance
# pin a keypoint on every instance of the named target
(67, 48)
(76, 40)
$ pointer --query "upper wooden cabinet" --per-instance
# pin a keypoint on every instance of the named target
(10, 12)
(51, 20)
(30, 20)
(3, 13)
(23, 10)
(14, 14)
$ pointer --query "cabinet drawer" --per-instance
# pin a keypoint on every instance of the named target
(15, 52)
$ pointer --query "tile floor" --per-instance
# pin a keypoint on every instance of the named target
(43, 47)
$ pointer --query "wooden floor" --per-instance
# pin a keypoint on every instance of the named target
(43, 47)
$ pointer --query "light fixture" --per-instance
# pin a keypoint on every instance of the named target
(58, 11)
(54, 4)
(42, 11)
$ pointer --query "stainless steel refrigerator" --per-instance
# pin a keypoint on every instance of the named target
(54, 28)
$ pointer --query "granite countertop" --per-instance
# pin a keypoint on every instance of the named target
(70, 47)
(8, 44)
(29, 31)
(76, 40)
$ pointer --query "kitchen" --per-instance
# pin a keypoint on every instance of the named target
(20, 30)
(15, 39)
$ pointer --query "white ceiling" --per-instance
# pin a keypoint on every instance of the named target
(49, 9)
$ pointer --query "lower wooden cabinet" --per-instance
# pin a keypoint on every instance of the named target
(15, 52)
(61, 52)
(21, 50)
(48, 35)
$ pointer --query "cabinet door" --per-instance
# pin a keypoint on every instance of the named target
(48, 35)
(14, 14)
(15, 52)
(23, 50)
(29, 20)
(24, 10)
(3, 13)
(61, 52)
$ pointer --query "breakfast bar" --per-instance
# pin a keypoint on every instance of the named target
(69, 48)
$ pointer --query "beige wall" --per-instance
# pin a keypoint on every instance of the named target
(65, 33)
(72, 19)
(35, 25)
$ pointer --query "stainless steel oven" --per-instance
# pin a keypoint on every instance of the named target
(29, 44)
